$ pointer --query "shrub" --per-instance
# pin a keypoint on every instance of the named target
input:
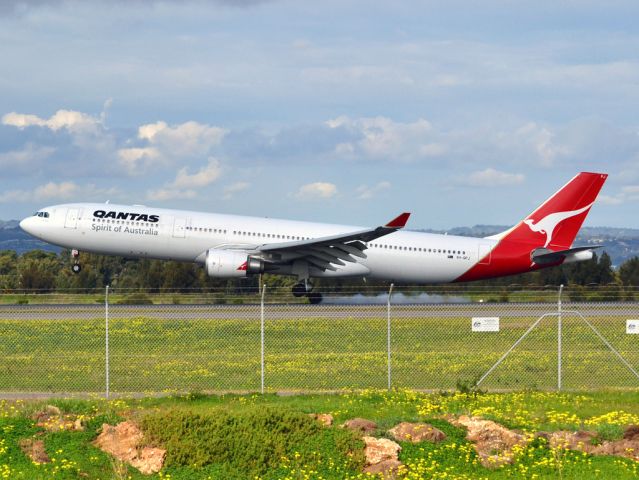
(253, 442)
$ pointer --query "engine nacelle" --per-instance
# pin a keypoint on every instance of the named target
(225, 263)
(231, 264)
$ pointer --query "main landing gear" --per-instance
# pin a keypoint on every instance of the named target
(305, 289)
(76, 267)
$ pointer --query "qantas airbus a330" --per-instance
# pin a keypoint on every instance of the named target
(232, 246)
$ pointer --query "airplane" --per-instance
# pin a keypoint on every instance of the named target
(231, 246)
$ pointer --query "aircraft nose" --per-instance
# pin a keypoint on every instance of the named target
(27, 224)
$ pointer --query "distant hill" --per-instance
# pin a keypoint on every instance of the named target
(13, 238)
(620, 243)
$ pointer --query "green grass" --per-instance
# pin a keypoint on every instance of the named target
(270, 436)
(308, 354)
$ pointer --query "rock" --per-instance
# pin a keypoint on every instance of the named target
(493, 442)
(380, 449)
(124, 442)
(582, 441)
(388, 469)
(149, 460)
(417, 432)
(34, 449)
(325, 419)
(78, 425)
(360, 425)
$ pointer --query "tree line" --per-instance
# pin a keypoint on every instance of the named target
(49, 272)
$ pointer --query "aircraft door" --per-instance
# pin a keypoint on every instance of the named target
(71, 220)
(484, 254)
(179, 227)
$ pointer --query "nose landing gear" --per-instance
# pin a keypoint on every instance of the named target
(302, 289)
(76, 267)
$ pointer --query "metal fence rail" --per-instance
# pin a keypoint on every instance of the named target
(265, 341)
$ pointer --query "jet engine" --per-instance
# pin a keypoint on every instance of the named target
(232, 264)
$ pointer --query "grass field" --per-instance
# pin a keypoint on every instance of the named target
(321, 455)
(152, 355)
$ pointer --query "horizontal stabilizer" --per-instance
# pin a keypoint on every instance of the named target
(543, 256)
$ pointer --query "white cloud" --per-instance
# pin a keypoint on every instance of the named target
(382, 138)
(202, 178)
(629, 193)
(364, 192)
(186, 184)
(27, 156)
(493, 178)
(167, 145)
(316, 191)
(230, 190)
(541, 141)
(610, 200)
(162, 194)
(48, 191)
(68, 119)
(137, 160)
(52, 190)
(189, 138)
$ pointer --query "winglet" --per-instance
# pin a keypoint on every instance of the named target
(398, 222)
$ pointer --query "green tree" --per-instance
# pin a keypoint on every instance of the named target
(629, 272)
(37, 270)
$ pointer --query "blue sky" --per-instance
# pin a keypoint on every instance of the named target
(338, 111)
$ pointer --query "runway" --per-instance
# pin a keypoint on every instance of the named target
(296, 311)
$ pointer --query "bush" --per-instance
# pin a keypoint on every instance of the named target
(253, 443)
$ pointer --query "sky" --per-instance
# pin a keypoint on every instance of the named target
(338, 111)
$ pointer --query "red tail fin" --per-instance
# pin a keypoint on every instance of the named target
(553, 226)
(557, 221)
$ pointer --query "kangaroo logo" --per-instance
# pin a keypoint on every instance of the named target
(548, 224)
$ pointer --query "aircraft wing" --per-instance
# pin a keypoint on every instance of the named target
(327, 252)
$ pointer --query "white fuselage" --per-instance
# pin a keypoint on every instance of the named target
(401, 256)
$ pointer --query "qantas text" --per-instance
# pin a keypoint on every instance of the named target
(127, 216)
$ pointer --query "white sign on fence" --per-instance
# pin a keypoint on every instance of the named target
(485, 324)
(632, 326)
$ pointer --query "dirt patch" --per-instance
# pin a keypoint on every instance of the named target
(124, 442)
(34, 449)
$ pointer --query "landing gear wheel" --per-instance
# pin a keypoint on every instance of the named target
(299, 290)
(76, 268)
(314, 297)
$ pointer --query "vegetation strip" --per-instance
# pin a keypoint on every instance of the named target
(268, 437)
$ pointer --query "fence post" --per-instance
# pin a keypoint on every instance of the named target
(262, 337)
(106, 339)
(388, 334)
(559, 333)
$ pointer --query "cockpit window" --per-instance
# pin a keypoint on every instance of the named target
(41, 214)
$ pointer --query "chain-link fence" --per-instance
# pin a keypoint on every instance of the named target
(120, 343)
